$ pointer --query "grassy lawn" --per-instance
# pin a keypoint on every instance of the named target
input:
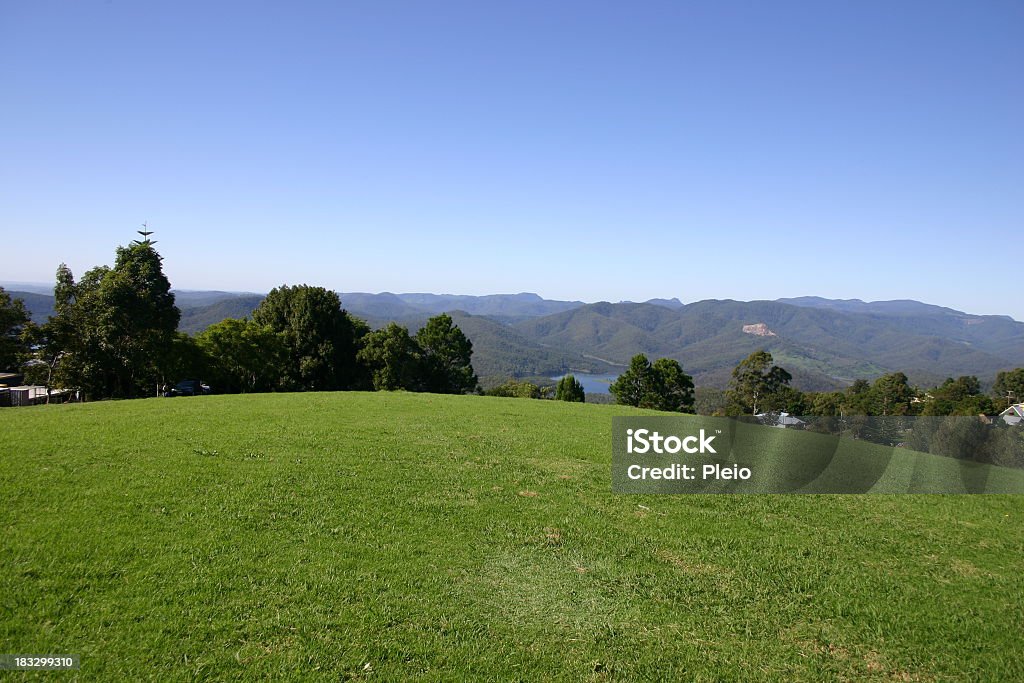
(393, 536)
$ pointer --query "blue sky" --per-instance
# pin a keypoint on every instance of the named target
(581, 150)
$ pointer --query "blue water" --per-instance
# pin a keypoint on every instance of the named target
(592, 384)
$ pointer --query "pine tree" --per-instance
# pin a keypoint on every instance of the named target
(569, 389)
(445, 354)
(632, 387)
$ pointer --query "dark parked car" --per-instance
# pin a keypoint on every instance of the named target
(188, 387)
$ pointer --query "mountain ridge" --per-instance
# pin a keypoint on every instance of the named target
(825, 343)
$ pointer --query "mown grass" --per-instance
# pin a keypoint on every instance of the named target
(393, 536)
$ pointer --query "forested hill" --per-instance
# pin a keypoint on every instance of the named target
(821, 346)
(196, 318)
(504, 307)
(825, 343)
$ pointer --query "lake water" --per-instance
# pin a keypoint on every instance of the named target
(592, 384)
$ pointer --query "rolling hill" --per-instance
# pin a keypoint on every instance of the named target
(999, 335)
(195, 298)
(819, 345)
(505, 306)
(199, 309)
(500, 351)
(392, 536)
(196, 318)
(39, 305)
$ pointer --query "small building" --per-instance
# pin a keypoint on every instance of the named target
(780, 420)
(28, 395)
(1014, 415)
(31, 395)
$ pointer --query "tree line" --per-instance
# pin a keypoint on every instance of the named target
(661, 385)
(114, 334)
(568, 388)
(759, 386)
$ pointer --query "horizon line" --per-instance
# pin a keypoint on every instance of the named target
(7, 284)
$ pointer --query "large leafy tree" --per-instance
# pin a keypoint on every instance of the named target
(662, 385)
(673, 388)
(960, 396)
(186, 360)
(791, 400)
(320, 337)
(757, 385)
(825, 404)
(1009, 387)
(392, 358)
(13, 318)
(242, 356)
(570, 389)
(446, 355)
(113, 332)
(857, 399)
(60, 342)
(891, 395)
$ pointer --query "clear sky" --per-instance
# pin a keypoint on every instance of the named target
(581, 150)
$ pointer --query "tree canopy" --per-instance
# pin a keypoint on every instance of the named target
(113, 331)
(891, 395)
(1009, 387)
(320, 337)
(445, 357)
(632, 387)
(242, 355)
(662, 385)
(757, 385)
(960, 396)
(13, 318)
(673, 388)
(392, 357)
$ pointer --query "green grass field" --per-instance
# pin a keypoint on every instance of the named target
(392, 536)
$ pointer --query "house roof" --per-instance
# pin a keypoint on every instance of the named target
(783, 419)
(1017, 409)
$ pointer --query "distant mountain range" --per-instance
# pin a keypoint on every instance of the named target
(822, 347)
(825, 343)
(40, 306)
